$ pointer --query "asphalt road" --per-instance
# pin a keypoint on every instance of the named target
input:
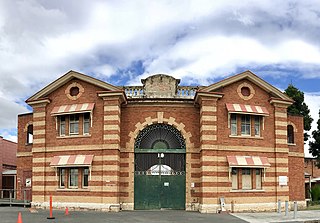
(10, 215)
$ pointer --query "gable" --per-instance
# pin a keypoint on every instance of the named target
(43, 93)
(248, 75)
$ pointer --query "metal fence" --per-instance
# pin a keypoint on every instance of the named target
(15, 197)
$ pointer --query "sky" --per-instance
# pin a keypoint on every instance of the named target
(120, 42)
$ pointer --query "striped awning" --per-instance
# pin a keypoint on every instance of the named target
(247, 109)
(71, 109)
(71, 161)
(248, 161)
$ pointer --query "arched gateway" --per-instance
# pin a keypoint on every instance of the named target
(160, 179)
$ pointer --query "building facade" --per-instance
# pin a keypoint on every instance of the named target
(8, 166)
(229, 145)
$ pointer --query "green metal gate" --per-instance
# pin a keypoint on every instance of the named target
(160, 180)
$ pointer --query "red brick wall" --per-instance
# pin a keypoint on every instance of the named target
(296, 179)
(311, 168)
(58, 98)
(186, 114)
(8, 151)
(261, 98)
(297, 122)
(24, 163)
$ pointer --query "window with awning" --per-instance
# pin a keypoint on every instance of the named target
(246, 120)
(247, 109)
(72, 109)
(71, 161)
(68, 118)
(248, 168)
(71, 169)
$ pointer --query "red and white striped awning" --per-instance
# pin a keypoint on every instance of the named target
(71, 109)
(248, 161)
(71, 161)
(247, 109)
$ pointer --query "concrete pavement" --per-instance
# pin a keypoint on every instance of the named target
(10, 215)
(302, 216)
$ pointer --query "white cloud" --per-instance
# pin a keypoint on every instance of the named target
(313, 102)
(194, 40)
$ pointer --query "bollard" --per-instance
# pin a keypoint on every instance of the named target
(295, 209)
(50, 217)
(279, 206)
(286, 207)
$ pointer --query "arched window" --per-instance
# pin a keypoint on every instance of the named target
(30, 134)
(290, 133)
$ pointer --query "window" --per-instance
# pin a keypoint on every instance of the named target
(250, 125)
(251, 178)
(85, 179)
(290, 134)
(258, 179)
(245, 125)
(234, 124)
(86, 123)
(62, 129)
(74, 124)
(257, 125)
(234, 173)
(246, 179)
(30, 134)
(73, 178)
(62, 177)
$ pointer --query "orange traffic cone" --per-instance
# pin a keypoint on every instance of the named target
(19, 218)
(67, 211)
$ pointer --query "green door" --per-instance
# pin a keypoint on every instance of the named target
(159, 176)
(160, 186)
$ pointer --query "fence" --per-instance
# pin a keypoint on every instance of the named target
(10, 197)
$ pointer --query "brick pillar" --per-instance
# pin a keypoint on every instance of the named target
(208, 152)
(38, 182)
(281, 148)
(111, 147)
(1, 160)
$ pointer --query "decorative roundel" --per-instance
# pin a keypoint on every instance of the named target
(160, 136)
(74, 91)
(245, 91)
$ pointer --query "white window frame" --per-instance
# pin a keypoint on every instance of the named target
(246, 178)
(74, 122)
(86, 122)
(83, 176)
(234, 178)
(62, 177)
(233, 123)
(245, 123)
(70, 176)
(257, 124)
(258, 176)
(62, 123)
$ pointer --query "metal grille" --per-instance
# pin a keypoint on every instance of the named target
(160, 136)
(154, 164)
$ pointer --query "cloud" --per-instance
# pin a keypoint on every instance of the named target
(313, 102)
(124, 41)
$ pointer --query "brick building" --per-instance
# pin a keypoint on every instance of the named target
(161, 145)
(8, 165)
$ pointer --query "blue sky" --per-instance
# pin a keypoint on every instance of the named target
(200, 42)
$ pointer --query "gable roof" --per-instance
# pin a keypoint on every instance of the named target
(254, 79)
(67, 77)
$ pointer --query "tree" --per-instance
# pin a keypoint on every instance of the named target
(314, 146)
(299, 107)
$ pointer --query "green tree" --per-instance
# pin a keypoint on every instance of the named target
(299, 107)
(314, 146)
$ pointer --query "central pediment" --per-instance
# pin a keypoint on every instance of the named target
(160, 86)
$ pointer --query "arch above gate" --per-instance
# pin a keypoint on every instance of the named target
(160, 137)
